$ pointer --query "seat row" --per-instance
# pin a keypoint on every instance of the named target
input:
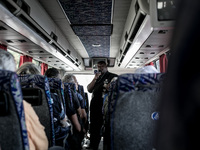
(132, 111)
(35, 89)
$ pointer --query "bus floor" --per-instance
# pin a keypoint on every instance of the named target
(87, 142)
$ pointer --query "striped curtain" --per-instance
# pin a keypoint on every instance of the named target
(24, 59)
(3, 47)
(44, 68)
(163, 63)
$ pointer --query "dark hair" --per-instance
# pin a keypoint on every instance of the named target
(102, 62)
(52, 73)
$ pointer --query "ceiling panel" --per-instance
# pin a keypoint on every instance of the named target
(92, 30)
(97, 46)
(88, 12)
(91, 21)
(118, 11)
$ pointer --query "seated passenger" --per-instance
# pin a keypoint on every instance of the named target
(106, 97)
(70, 78)
(36, 135)
(105, 130)
(61, 123)
(146, 69)
(78, 131)
(82, 102)
(67, 78)
(28, 68)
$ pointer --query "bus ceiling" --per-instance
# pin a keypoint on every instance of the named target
(74, 35)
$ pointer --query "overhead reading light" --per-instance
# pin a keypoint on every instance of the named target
(96, 45)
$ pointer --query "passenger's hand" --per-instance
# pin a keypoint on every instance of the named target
(97, 75)
(84, 131)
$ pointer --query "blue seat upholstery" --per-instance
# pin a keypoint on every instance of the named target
(81, 91)
(13, 134)
(57, 87)
(72, 86)
(134, 111)
(68, 94)
(45, 110)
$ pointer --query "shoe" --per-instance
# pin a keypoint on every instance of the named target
(91, 148)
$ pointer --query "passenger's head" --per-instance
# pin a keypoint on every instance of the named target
(147, 69)
(28, 68)
(53, 73)
(102, 67)
(7, 61)
(70, 78)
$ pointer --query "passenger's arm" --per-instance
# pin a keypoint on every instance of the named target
(79, 112)
(84, 115)
(36, 133)
(90, 86)
(75, 122)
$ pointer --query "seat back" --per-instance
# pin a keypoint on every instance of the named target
(68, 94)
(135, 111)
(81, 91)
(38, 88)
(72, 86)
(56, 87)
(32, 96)
(13, 134)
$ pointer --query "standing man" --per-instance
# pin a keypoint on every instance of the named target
(97, 88)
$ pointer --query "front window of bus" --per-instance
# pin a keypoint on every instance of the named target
(84, 80)
(157, 65)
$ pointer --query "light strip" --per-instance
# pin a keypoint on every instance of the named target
(141, 36)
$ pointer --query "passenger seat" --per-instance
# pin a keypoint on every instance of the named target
(36, 91)
(13, 133)
(134, 110)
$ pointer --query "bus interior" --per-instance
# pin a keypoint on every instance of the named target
(74, 35)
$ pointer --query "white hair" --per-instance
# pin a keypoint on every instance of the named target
(28, 68)
(68, 78)
(7, 61)
(147, 69)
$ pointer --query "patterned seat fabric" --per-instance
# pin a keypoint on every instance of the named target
(44, 111)
(81, 91)
(68, 94)
(133, 109)
(56, 85)
(13, 133)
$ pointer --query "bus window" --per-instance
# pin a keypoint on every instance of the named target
(84, 80)
(157, 65)
(37, 63)
(16, 56)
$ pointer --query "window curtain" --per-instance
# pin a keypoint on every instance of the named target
(163, 63)
(24, 59)
(3, 47)
(44, 68)
(151, 63)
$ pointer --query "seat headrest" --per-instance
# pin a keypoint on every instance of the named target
(4, 103)
(32, 96)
